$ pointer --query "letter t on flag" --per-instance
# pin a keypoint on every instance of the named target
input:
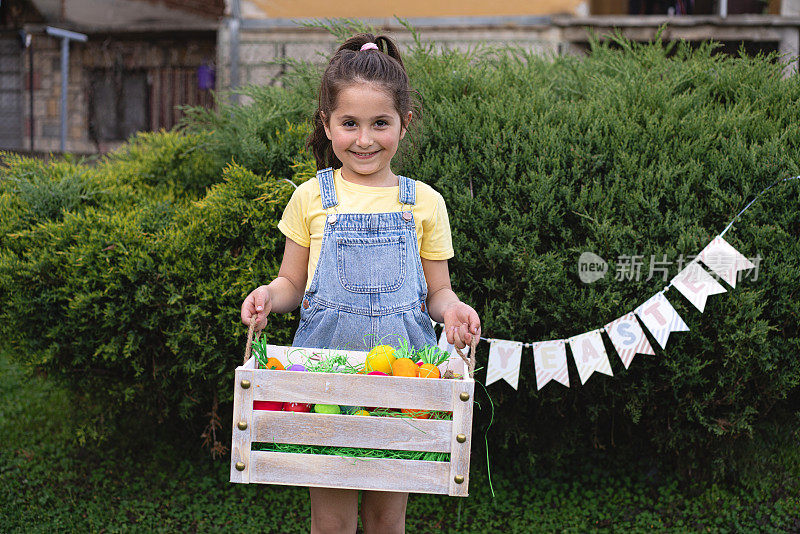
(660, 318)
(504, 360)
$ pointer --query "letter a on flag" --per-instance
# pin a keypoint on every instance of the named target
(590, 355)
(550, 360)
(504, 359)
(628, 338)
(724, 260)
(696, 285)
(660, 318)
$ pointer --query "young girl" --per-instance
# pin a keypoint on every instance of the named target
(366, 250)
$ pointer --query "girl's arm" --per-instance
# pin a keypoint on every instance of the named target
(282, 294)
(461, 322)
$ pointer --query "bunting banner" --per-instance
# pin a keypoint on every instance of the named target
(504, 360)
(626, 334)
(590, 355)
(660, 318)
(628, 338)
(550, 362)
(696, 285)
(724, 260)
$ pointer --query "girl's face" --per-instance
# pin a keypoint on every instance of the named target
(365, 131)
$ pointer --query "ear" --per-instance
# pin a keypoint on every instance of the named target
(325, 124)
(405, 128)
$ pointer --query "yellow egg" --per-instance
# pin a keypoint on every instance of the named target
(380, 359)
(361, 412)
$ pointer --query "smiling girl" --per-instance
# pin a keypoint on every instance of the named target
(366, 250)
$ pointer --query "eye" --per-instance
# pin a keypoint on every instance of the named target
(380, 123)
(349, 124)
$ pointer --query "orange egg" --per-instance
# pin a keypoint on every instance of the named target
(416, 414)
(428, 370)
(274, 363)
(405, 367)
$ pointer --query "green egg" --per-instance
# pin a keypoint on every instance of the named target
(327, 408)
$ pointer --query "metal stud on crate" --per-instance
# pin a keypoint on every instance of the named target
(382, 433)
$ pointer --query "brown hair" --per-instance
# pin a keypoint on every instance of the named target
(351, 65)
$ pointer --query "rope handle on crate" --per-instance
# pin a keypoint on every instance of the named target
(471, 360)
(249, 347)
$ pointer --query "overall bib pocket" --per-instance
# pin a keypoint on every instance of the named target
(371, 264)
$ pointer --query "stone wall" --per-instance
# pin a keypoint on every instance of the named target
(264, 45)
(263, 51)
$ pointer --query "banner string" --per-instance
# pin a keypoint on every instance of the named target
(567, 340)
(756, 198)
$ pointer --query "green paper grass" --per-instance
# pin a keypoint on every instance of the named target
(352, 452)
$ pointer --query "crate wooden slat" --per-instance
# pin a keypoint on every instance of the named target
(242, 411)
(462, 424)
(352, 390)
(401, 434)
(319, 470)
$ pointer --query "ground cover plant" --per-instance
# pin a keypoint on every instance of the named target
(122, 279)
(154, 483)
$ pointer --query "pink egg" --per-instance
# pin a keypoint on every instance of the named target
(377, 373)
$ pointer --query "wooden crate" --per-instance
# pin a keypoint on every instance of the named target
(417, 476)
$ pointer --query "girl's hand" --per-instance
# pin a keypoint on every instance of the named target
(258, 303)
(461, 323)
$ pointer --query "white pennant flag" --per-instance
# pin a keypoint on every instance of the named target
(724, 260)
(628, 338)
(454, 362)
(504, 359)
(696, 285)
(660, 318)
(550, 361)
(590, 355)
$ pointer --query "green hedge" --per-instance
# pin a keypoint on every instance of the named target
(129, 289)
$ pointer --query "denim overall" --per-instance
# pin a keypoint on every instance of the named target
(368, 288)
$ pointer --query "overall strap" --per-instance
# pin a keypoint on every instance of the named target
(327, 189)
(408, 191)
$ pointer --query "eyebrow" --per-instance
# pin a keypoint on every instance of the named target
(351, 117)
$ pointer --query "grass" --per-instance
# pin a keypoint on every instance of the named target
(145, 484)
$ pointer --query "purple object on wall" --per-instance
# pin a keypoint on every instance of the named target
(206, 76)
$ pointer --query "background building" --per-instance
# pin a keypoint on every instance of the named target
(143, 59)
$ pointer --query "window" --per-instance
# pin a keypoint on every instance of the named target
(118, 104)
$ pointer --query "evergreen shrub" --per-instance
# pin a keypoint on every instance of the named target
(634, 150)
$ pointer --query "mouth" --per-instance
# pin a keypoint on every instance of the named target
(364, 155)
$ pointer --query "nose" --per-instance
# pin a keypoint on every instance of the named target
(364, 138)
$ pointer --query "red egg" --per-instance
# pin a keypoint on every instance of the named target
(267, 405)
(296, 407)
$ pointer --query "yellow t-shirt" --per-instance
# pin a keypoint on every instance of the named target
(303, 218)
